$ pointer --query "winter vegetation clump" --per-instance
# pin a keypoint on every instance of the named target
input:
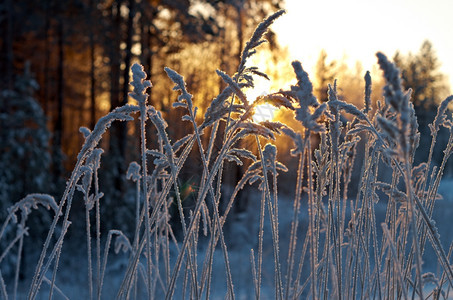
(373, 242)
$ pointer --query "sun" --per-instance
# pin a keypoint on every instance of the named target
(265, 111)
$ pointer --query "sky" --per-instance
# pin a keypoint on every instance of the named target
(357, 29)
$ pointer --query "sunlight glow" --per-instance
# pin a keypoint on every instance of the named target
(263, 112)
(352, 30)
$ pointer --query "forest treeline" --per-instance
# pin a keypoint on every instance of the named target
(64, 64)
(74, 57)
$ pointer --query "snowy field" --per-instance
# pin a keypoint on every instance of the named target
(243, 236)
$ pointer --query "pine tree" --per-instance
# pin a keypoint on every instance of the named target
(24, 159)
(324, 75)
(420, 72)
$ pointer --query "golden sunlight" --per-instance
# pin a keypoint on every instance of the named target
(263, 112)
(344, 21)
(277, 65)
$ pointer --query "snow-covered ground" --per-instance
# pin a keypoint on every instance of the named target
(241, 236)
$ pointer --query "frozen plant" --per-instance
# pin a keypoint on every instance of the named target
(336, 247)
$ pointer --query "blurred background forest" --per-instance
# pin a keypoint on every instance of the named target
(64, 64)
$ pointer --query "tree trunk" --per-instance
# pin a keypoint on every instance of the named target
(59, 125)
(115, 57)
(9, 44)
(45, 85)
(240, 26)
(92, 68)
(127, 63)
(128, 50)
(117, 143)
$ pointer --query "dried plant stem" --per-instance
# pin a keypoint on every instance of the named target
(38, 278)
(432, 230)
(200, 199)
(18, 263)
(393, 251)
(215, 206)
(377, 257)
(55, 254)
(294, 226)
(5, 224)
(57, 289)
(359, 226)
(153, 218)
(207, 265)
(98, 234)
(432, 191)
(300, 265)
(443, 279)
(274, 226)
(260, 244)
(311, 216)
(190, 258)
(428, 162)
(413, 224)
(335, 182)
(88, 236)
(90, 143)
(68, 192)
(347, 257)
(143, 118)
(54, 273)
(3, 286)
(17, 238)
(254, 272)
(106, 253)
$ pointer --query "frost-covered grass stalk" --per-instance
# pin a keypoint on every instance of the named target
(336, 247)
